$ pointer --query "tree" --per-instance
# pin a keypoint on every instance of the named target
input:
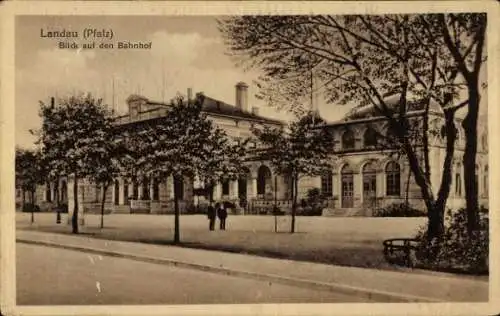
(108, 160)
(303, 150)
(184, 144)
(464, 36)
(29, 173)
(72, 137)
(363, 59)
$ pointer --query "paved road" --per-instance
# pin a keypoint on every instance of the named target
(57, 276)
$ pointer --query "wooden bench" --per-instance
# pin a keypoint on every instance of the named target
(401, 250)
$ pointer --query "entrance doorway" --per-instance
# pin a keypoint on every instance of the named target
(369, 185)
(347, 187)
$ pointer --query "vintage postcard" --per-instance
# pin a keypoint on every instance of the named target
(249, 158)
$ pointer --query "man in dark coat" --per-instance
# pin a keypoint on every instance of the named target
(222, 215)
(211, 216)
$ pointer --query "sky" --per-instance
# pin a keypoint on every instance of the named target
(186, 52)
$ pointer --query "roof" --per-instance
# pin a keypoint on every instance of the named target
(392, 103)
(213, 106)
(209, 106)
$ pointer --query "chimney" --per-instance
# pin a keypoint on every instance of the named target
(242, 96)
(190, 94)
(255, 110)
(52, 101)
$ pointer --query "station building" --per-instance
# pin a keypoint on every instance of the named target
(364, 175)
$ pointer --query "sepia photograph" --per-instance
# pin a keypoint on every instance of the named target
(271, 158)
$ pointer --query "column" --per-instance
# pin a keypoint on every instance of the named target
(139, 189)
(151, 189)
(253, 192)
(358, 189)
(233, 191)
(170, 185)
(121, 191)
(52, 192)
(380, 184)
(218, 192)
(130, 189)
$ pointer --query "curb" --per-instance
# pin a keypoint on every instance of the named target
(360, 292)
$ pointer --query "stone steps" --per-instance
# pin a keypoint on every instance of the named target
(343, 212)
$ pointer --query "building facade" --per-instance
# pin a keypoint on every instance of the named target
(364, 176)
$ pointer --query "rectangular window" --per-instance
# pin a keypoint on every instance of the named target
(225, 187)
(485, 185)
(458, 185)
(156, 190)
(48, 196)
(327, 185)
(393, 184)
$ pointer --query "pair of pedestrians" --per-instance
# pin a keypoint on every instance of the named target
(218, 211)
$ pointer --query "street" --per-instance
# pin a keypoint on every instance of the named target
(53, 276)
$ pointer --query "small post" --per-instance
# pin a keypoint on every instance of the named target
(275, 211)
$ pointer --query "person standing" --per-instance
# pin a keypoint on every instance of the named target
(211, 216)
(222, 215)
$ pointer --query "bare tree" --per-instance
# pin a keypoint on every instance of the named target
(363, 59)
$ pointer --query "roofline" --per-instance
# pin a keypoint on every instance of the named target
(261, 120)
(379, 118)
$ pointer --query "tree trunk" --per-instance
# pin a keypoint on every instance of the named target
(446, 178)
(24, 199)
(32, 206)
(56, 194)
(435, 224)
(74, 218)
(105, 188)
(469, 159)
(425, 141)
(407, 196)
(294, 202)
(177, 237)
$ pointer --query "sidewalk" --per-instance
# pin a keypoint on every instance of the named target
(377, 285)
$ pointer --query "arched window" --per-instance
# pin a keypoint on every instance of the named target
(485, 180)
(327, 183)
(156, 190)
(97, 192)
(225, 187)
(458, 180)
(348, 140)
(117, 192)
(263, 176)
(135, 189)
(370, 137)
(242, 184)
(179, 186)
(125, 191)
(484, 142)
(64, 192)
(145, 188)
(48, 193)
(393, 179)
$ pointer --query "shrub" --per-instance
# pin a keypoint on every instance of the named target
(29, 207)
(456, 250)
(243, 201)
(63, 208)
(313, 204)
(398, 210)
(197, 209)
